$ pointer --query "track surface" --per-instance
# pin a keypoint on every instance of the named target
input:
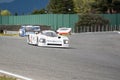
(92, 56)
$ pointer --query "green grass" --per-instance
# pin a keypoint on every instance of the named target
(7, 78)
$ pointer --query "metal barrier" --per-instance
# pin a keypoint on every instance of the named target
(97, 28)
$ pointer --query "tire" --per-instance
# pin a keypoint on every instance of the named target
(37, 41)
(28, 39)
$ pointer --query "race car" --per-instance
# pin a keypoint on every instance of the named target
(64, 31)
(48, 38)
(29, 29)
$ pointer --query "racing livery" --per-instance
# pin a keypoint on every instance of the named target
(29, 29)
(48, 38)
(64, 31)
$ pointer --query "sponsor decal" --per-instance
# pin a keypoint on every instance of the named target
(54, 41)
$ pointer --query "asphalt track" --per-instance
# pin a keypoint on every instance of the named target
(92, 56)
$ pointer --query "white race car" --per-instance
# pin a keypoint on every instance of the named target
(48, 38)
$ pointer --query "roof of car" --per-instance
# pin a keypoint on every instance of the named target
(48, 31)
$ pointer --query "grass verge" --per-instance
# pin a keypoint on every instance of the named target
(3, 77)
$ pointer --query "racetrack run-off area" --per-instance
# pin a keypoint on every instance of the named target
(91, 56)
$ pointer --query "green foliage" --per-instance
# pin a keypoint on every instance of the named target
(116, 7)
(42, 11)
(106, 6)
(16, 14)
(91, 20)
(61, 7)
(7, 78)
(5, 13)
(82, 6)
(35, 12)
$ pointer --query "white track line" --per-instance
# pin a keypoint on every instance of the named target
(14, 75)
(118, 32)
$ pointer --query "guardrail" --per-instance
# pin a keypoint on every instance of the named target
(96, 28)
(9, 32)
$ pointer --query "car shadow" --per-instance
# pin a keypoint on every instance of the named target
(52, 47)
(57, 47)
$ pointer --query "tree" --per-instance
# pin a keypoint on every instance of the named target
(88, 20)
(82, 6)
(61, 7)
(116, 6)
(5, 13)
(42, 11)
(35, 12)
(106, 6)
(91, 20)
(16, 14)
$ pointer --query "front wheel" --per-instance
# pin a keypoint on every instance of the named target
(28, 39)
(36, 42)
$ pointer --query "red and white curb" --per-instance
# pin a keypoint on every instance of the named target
(14, 75)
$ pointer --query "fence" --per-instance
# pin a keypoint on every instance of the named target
(97, 28)
(53, 20)
(57, 20)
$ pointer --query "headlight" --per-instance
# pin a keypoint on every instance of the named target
(42, 40)
(66, 41)
(20, 32)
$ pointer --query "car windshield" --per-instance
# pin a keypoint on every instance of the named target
(50, 34)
